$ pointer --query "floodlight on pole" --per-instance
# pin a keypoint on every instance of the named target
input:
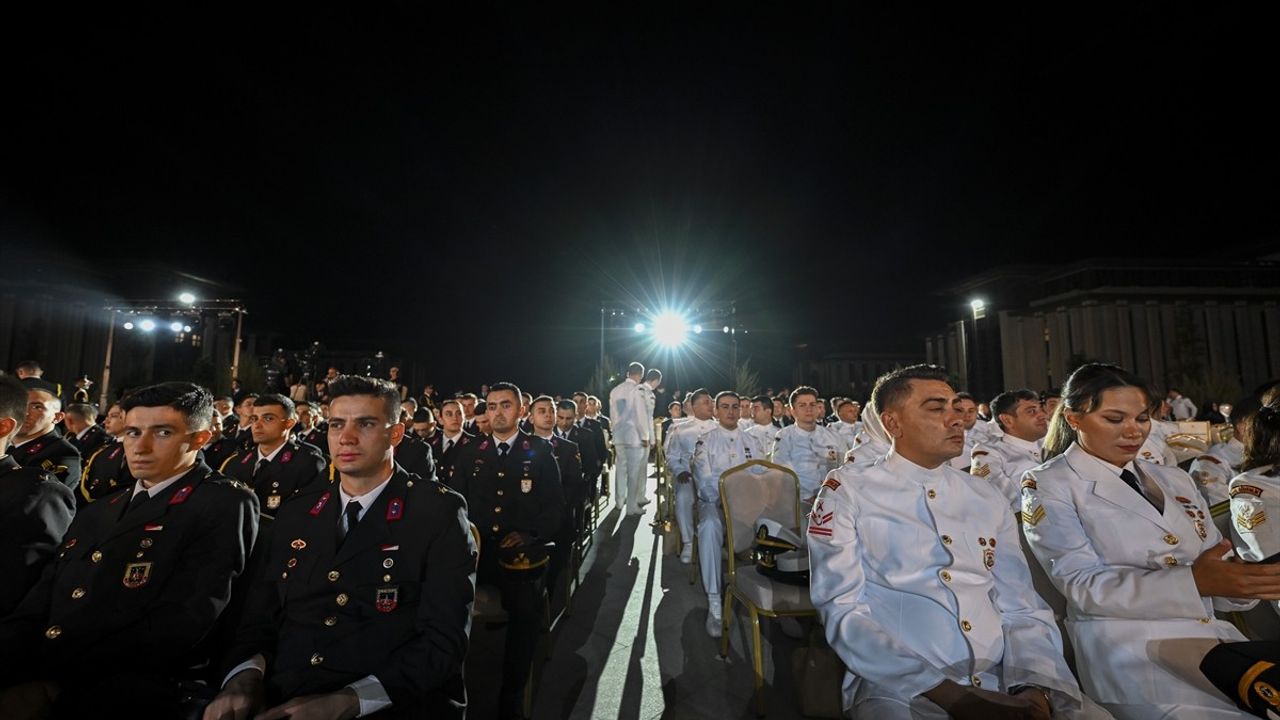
(175, 326)
(128, 324)
(639, 327)
(187, 298)
(147, 325)
(669, 329)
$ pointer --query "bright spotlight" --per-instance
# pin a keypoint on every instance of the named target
(175, 326)
(186, 328)
(128, 325)
(697, 329)
(669, 329)
(725, 329)
(147, 325)
(187, 298)
(977, 304)
(639, 327)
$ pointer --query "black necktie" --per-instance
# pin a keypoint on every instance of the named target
(1132, 481)
(448, 444)
(138, 500)
(262, 462)
(502, 449)
(352, 514)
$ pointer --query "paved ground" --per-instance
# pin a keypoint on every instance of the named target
(635, 647)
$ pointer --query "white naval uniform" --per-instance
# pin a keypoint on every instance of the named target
(715, 451)
(810, 454)
(1155, 449)
(682, 439)
(1255, 514)
(631, 425)
(764, 435)
(918, 578)
(846, 431)
(1214, 470)
(1182, 408)
(1002, 461)
(1136, 618)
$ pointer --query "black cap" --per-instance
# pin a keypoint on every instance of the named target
(1246, 672)
(35, 383)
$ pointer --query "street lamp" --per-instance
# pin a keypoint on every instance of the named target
(187, 298)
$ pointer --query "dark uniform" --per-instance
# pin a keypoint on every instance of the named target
(448, 457)
(591, 450)
(93, 439)
(106, 472)
(317, 438)
(243, 437)
(51, 454)
(118, 614)
(415, 456)
(217, 452)
(519, 491)
(295, 468)
(569, 460)
(35, 510)
(392, 600)
(600, 441)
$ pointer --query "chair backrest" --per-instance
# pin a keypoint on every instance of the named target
(757, 489)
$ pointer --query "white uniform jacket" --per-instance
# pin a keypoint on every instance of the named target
(846, 431)
(1002, 461)
(1255, 515)
(810, 454)
(918, 578)
(1214, 470)
(682, 439)
(718, 450)
(764, 435)
(1125, 570)
(630, 421)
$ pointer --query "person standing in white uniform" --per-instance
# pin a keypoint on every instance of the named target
(632, 424)
(1131, 547)
(681, 441)
(918, 579)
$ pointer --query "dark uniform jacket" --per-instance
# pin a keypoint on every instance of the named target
(520, 491)
(317, 438)
(243, 437)
(104, 473)
(599, 442)
(414, 455)
(135, 591)
(35, 510)
(51, 454)
(93, 439)
(217, 452)
(294, 469)
(569, 460)
(393, 601)
(446, 459)
(589, 451)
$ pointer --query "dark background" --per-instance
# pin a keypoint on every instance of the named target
(466, 191)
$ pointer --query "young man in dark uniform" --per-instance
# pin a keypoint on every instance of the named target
(308, 429)
(542, 418)
(278, 468)
(106, 469)
(139, 578)
(83, 431)
(512, 486)
(366, 602)
(35, 508)
(37, 443)
(449, 440)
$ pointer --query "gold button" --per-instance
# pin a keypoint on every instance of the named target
(331, 621)
(1171, 539)
(140, 554)
(293, 562)
(341, 599)
(284, 575)
(946, 576)
(275, 484)
(932, 494)
(501, 474)
(388, 563)
(409, 484)
(946, 539)
(77, 593)
(497, 509)
(495, 528)
(977, 681)
(499, 493)
(96, 556)
(317, 659)
(1170, 560)
(1204, 621)
(386, 578)
(965, 625)
(146, 543)
(53, 632)
(333, 576)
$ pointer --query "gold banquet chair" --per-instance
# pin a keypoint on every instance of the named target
(748, 492)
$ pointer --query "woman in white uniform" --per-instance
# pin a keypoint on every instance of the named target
(1131, 546)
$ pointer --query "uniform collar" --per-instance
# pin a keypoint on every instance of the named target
(158, 487)
(904, 468)
(273, 454)
(1021, 444)
(1080, 455)
(366, 500)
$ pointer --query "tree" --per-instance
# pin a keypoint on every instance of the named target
(746, 382)
(603, 379)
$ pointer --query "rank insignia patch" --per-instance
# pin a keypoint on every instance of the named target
(526, 485)
(1247, 518)
(298, 544)
(981, 471)
(395, 509)
(137, 574)
(387, 598)
(181, 496)
(273, 502)
(324, 500)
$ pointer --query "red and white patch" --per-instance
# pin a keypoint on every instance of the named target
(819, 521)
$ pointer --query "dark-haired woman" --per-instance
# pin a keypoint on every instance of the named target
(1131, 546)
(1257, 488)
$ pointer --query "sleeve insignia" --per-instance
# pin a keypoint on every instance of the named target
(831, 483)
(1029, 484)
(980, 470)
(1211, 459)
(979, 453)
(1248, 517)
(1033, 517)
(1249, 489)
(819, 521)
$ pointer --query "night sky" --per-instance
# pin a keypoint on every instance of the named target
(465, 191)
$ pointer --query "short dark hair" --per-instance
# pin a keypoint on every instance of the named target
(220, 398)
(567, 404)
(385, 390)
(802, 390)
(765, 401)
(962, 395)
(635, 368)
(481, 407)
(1052, 392)
(453, 401)
(693, 396)
(1263, 438)
(502, 386)
(290, 410)
(540, 398)
(727, 393)
(1006, 402)
(84, 411)
(423, 415)
(29, 366)
(466, 395)
(576, 393)
(194, 402)
(652, 374)
(893, 387)
(13, 400)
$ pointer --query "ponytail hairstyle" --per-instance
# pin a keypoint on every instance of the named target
(1262, 432)
(1082, 393)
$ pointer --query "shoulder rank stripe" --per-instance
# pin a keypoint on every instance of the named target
(1029, 484)
(395, 509)
(831, 483)
(324, 500)
(979, 453)
(182, 495)
(1033, 517)
(1184, 501)
(247, 458)
(1211, 459)
(1249, 489)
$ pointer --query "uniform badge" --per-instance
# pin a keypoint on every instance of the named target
(1200, 529)
(152, 527)
(831, 483)
(181, 496)
(324, 500)
(137, 574)
(989, 557)
(1248, 517)
(246, 460)
(1248, 489)
(1029, 484)
(273, 502)
(298, 544)
(526, 485)
(395, 509)
(980, 471)
(818, 521)
(387, 598)
(524, 445)
(286, 456)
(1032, 512)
